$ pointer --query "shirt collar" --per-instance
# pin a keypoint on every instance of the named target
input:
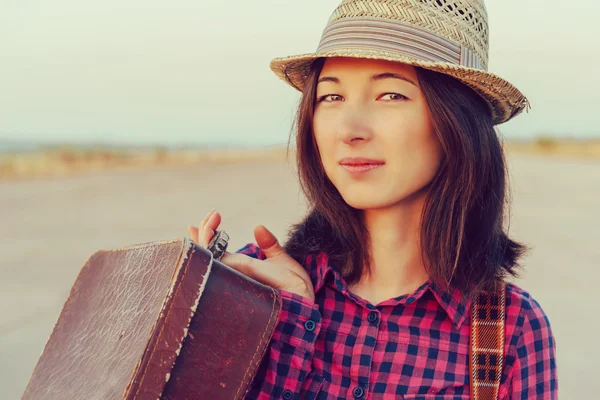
(319, 269)
(453, 301)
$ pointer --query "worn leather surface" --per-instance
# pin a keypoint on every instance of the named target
(228, 337)
(124, 331)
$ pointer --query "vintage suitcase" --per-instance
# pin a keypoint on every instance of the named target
(157, 320)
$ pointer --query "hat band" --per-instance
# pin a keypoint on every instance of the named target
(398, 37)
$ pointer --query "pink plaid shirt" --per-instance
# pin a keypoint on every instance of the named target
(411, 347)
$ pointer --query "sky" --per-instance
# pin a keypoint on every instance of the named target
(196, 71)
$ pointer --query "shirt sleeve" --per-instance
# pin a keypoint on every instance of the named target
(534, 373)
(288, 359)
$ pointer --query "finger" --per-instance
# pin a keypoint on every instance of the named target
(193, 233)
(207, 233)
(267, 241)
(201, 226)
(213, 221)
(207, 236)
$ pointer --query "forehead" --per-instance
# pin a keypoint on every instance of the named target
(335, 66)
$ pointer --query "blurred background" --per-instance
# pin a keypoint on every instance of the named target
(123, 122)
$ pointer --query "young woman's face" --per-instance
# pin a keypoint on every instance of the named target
(374, 111)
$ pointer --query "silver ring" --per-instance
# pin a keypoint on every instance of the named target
(218, 244)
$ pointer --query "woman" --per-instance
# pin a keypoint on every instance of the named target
(405, 177)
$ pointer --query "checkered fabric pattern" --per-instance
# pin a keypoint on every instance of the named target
(414, 346)
(487, 343)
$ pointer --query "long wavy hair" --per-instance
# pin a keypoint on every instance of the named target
(463, 241)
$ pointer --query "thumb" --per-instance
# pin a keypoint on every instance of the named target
(267, 241)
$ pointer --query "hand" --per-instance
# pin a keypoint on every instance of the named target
(279, 270)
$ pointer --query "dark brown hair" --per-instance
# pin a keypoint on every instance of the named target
(462, 235)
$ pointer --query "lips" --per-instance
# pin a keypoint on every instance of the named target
(360, 161)
(358, 166)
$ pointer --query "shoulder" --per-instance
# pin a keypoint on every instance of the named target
(529, 336)
(531, 348)
(524, 311)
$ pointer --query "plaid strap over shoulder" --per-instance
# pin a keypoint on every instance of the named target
(487, 343)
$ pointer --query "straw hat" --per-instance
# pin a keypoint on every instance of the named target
(447, 36)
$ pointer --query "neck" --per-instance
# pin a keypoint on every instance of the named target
(396, 264)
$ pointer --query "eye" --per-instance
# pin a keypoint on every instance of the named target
(329, 98)
(393, 97)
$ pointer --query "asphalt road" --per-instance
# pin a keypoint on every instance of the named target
(49, 227)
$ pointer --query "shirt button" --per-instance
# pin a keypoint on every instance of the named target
(358, 392)
(287, 394)
(310, 325)
(372, 316)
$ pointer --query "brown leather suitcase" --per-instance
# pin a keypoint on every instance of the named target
(157, 320)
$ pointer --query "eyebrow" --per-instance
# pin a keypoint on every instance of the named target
(377, 77)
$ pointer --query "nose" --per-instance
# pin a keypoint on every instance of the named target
(353, 125)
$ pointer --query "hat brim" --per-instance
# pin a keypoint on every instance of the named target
(504, 99)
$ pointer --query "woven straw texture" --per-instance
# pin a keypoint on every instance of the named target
(447, 36)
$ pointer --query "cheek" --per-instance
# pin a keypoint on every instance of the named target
(325, 138)
(431, 147)
(416, 153)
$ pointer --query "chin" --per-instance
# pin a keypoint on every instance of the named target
(365, 201)
(369, 198)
